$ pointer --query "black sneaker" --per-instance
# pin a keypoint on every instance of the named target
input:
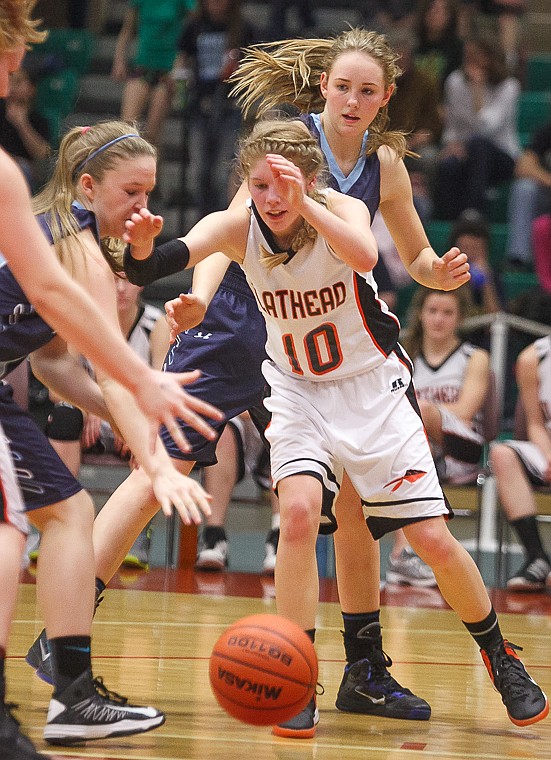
(531, 576)
(212, 551)
(367, 687)
(40, 658)
(272, 540)
(302, 726)
(13, 744)
(525, 701)
(86, 710)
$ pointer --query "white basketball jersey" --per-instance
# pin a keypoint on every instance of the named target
(543, 352)
(442, 384)
(141, 332)
(324, 321)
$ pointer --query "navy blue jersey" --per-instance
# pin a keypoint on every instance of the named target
(43, 478)
(228, 348)
(22, 330)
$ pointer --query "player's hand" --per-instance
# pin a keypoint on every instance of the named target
(162, 399)
(174, 490)
(90, 432)
(142, 228)
(183, 313)
(289, 180)
(452, 270)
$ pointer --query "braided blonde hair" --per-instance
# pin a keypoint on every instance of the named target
(86, 150)
(289, 71)
(291, 139)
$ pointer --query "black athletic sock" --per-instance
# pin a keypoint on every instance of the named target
(527, 530)
(486, 633)
(362, 632)
(71, 656)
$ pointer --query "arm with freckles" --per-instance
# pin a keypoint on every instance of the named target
(422, 263)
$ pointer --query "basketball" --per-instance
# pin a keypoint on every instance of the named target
(263, 670)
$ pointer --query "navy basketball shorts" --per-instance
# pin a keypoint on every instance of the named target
(42, 477)
(229, 348)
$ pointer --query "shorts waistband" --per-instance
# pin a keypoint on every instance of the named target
(236, 284)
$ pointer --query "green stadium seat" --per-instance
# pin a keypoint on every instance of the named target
(517, 283)
(498, 243)
(56, 96)
(538, 73)
(438, 233)
(498, 197)
(534, 110)
(74, 46)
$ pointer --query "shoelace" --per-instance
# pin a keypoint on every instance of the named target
(505, 664)
(106, 693)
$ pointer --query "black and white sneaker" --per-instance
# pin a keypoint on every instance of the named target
(40, 658)
(86, 710)
(272, 540)
(14, 745)
(302, 726)
(531, 576)
(525, 701)
(368, 688)
(212, 551)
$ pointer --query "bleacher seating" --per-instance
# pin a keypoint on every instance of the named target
(56, 96)
(75, 48)
(538, 73)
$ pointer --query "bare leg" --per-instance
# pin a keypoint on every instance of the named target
(134, 99)
(296, 574)
(220, 479)
(66, 557)
(123, 517)
(456, 573)
(70, 453)
(12, 543)
(515, 493)
(159, 108)
(357, 555)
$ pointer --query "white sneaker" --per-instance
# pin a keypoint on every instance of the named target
(212, 551)
(408, 569)
(272, 540)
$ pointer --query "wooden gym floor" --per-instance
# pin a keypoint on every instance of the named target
(154, 632)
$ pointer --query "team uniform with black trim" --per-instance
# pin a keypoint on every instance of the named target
(342, 396)
(441, 385)
(42, 476)
(531, 456)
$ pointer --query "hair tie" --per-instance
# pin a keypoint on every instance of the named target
(83, 130)
(102, 148)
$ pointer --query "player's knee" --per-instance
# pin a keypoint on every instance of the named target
(302, 520)
(502, 458)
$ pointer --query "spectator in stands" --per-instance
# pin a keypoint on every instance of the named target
(480, 140)
(508, 13)
(471, 234)
(440, 49)
(451, 380)
(414, 109)
(518, 465)
(24, 133)
(383, 15)
(149, 87)
(239, 451)
(278, 26)
(210, 46)
(530, 197)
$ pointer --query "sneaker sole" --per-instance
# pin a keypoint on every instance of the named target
(131, 561)
(66, 735)
(210, 564)
(403, 580)
(381, 711)
(42, 674)
(528, 722)
(301, 733)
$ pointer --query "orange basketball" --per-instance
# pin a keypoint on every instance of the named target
(263, 670)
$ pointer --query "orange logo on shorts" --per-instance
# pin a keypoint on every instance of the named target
(411, 476)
